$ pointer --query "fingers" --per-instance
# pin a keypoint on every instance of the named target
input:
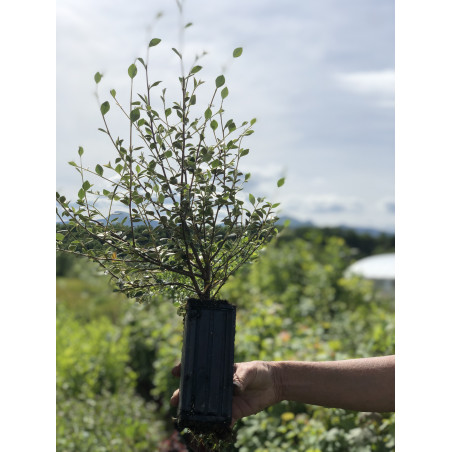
(176, 370)
(244, 374)
(175, 398)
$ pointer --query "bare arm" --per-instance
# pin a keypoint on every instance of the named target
(365, 384)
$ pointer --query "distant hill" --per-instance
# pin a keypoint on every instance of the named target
(294, 224)
(120, 216)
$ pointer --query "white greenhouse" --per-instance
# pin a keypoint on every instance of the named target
(379, 268)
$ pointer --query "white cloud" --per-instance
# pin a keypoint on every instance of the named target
(379, 85)
(300, 75)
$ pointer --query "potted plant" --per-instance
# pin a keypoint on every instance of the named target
(187, 226)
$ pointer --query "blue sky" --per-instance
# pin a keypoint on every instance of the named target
(319, 77)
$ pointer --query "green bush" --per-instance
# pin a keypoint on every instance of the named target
(91, 357)
(121, 422)
(155, 344)
(293, 304)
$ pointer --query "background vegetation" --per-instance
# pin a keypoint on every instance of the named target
(114, 356)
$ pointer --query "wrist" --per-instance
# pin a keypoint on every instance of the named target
(277, 372)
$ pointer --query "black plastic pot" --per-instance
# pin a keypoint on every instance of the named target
(205, 400)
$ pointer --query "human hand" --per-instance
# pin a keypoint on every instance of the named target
(256, 387)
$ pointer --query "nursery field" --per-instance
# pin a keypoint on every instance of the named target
(114, 356)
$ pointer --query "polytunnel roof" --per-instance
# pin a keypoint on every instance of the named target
(380, 266)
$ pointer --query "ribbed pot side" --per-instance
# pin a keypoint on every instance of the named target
(205, 400)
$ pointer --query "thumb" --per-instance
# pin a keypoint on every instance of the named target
(244, 374)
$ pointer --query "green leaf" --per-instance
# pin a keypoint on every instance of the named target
(97, 77)
(104, 108)
(215, 164)
(161, 198)
(237, 52)
(281, 182)
(193, 100)
(113, 92)
(177, 53)
(168, 111)
(189, 24)
(253, 121)
(135, 114)
(99, 170)
(132, 71)
(72, 163)
(208, 113)
(219, 81)
(86, 185)
(81, 193)
(154, 42)
(247, 176)
(195, 69)
(274, 206)
(224, 92)
(214, 124)
(80, 151)
(168, 154)
(59, 236)
(244, 152)
(141, 61)
(252, 199)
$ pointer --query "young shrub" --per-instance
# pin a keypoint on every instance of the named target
(187, 227)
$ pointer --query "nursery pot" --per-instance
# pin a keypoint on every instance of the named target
(205, 399)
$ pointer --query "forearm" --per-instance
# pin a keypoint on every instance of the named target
(365, 384)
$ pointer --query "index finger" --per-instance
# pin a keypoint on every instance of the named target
(176, 370)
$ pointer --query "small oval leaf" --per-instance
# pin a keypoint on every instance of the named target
(99, 170)
(195, 69)
(154, 42)
(237, 52)
(219, 81)
(97, 77)
(135, 114)
(132, 71)
(177, 53)
(281, 182)
(104, 108)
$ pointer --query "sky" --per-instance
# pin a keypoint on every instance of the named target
(318, 76)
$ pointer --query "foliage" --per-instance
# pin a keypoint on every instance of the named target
(179, 177)
(91, 357)
(361, 244)
(316, 429)
(293, 304)
(106, 422)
